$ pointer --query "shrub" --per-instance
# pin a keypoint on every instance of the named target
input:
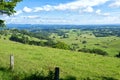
(99, 51)
(94, 51)
(17, 38)
(118, 55)
(61, 45)
(74, 46)
(85, 50)
(84, 42)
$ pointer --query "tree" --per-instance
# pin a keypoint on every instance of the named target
(61, 45)
(2, 23)
(84, 42)
(7, 7)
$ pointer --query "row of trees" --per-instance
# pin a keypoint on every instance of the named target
(21, 39)
(104, 32)
(94, 51)
(50, 43)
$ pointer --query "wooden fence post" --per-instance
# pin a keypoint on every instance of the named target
(57, 71)
(11, 62)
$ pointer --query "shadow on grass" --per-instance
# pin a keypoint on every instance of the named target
(100, 78)
(50, 76)
(38, 76)
(108, 78)
(3, 69)
(41, 76)
(69, 78)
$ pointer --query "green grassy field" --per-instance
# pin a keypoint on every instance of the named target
(109, 44)
(29, 59)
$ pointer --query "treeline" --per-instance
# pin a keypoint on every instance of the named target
(23, 36)
(50, 43)
(39, 34)
(104, 32)
(93, 51)
(48, 32)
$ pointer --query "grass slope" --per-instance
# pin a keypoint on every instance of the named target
(80, 65)
(109, 44)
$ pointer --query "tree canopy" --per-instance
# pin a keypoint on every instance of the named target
(7, 7)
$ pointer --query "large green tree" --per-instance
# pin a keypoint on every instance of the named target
(7, 7)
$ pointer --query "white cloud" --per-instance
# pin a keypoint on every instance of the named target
(37, 20)
(106, 14)
(79, 4)
(26, 9)
(88, 9)
(30, 17)
(43, 8)
(109, 20)
(98, 12)
(116, 3)
(33, 17)
(18, 12)
(47, 7)
(88, 6)
(75, 5)
(37, 9)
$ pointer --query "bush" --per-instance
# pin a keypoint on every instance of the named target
(118, 55)
(99, 51)
(84, 42)
(61, 45)
(94, 51)
(74, 46)
(85, 50)
(17, 38)
(50, 42)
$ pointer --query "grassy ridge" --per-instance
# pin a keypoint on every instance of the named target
(109, 44)
(80, 65)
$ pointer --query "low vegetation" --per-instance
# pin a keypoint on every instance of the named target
(78, 53)
(118, 55)
(68, 39)
(50, 43)
(31, 61)
(94, 51)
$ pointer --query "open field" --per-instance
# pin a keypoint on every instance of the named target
(34, 58)
(109, 44)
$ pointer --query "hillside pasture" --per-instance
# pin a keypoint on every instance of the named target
(82, 66)
(109, 44)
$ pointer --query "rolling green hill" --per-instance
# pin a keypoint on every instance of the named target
(83, 66)
(110, 44)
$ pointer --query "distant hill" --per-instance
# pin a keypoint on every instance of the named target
(42, 26)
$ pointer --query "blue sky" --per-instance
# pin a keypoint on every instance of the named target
(66, 12)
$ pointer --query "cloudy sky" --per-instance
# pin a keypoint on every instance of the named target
(66, 12)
